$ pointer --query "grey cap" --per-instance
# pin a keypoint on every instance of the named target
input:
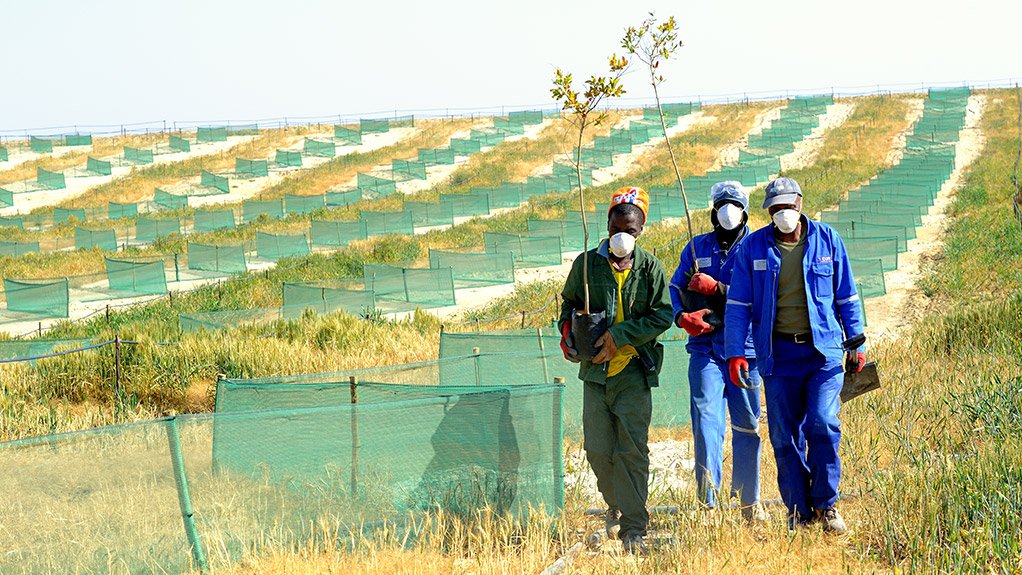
(782, 191)
(729, 190)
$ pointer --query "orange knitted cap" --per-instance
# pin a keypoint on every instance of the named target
(631, 195)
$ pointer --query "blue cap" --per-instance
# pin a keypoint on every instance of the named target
(729, 190)
(782, 191)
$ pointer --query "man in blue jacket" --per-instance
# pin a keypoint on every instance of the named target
(694, 296)
(792, 282)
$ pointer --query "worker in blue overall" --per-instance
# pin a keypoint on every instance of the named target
(694, 295)
(792, 283)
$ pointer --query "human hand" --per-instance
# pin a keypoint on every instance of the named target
(607, 347)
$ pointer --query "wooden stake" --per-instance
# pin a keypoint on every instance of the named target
(353, 384)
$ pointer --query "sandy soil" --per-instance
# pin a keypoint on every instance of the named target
(808, 150)
(84, 302)
(623, 163)
(729, 154)
(20, 155)
(915, 111)
(904, 302)
(243, 189)
(80, 185)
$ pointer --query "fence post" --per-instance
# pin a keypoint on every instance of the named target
(353, 384)
(542, 353)
(184, 498)
(117, 367)
(557, 450)
(475, 355)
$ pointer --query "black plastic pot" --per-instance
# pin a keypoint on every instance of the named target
(695, 301)
(586, 329)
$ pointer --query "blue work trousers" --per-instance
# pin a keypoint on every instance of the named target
(713, 396)
(802, 400)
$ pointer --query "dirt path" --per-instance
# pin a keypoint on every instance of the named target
(904, 303)
(808, 150)
(244, 189)
(623, 162)
(729, 154)
(77, 186)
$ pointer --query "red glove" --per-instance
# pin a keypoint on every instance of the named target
(859, 363)
(702, 283)
(693, 323)
(568, 343)
(736, 366)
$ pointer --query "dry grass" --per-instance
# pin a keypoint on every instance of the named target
(934, 457)
(102, 147)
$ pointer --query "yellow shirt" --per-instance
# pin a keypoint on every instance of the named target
(626, 353)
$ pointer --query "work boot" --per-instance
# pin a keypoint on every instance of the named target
(755, 514)
(635, 544)
(612, 523)
(831, 520)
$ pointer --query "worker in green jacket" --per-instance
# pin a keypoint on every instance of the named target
(629, 284)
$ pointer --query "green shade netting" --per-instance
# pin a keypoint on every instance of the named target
(527, 250)
(347, 135)
(251, 168)
(569, 231)
(303, 204)
(323, 297)
(168, 200)
(252, 209)
(43, 297)
(180, 144)
(338, 198)
(25, 348)
(211, 135)
(98, 167)
(475, 268)
(277, 246)
(425, 214)
(221, 259)
(420, 287)
(288, 158)
(115, 210)
(319, 148)
(254, 477)
(376, 186)
(212, 220)
(383, 223)
(40, 145)
(329, 233)
(210, 180)
(138, 156)
(15, 249)
(414, 170)
(148, 230)
(438, 156)
(539, 358)
(86, 238)
(61, 215)
(467, 205)
(136, 277)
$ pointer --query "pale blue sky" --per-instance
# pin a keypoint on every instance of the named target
(120, 61)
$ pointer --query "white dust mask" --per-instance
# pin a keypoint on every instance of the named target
(622, 244)
(786, 220)
(730, 216)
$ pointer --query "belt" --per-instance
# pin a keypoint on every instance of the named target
(799, 338)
